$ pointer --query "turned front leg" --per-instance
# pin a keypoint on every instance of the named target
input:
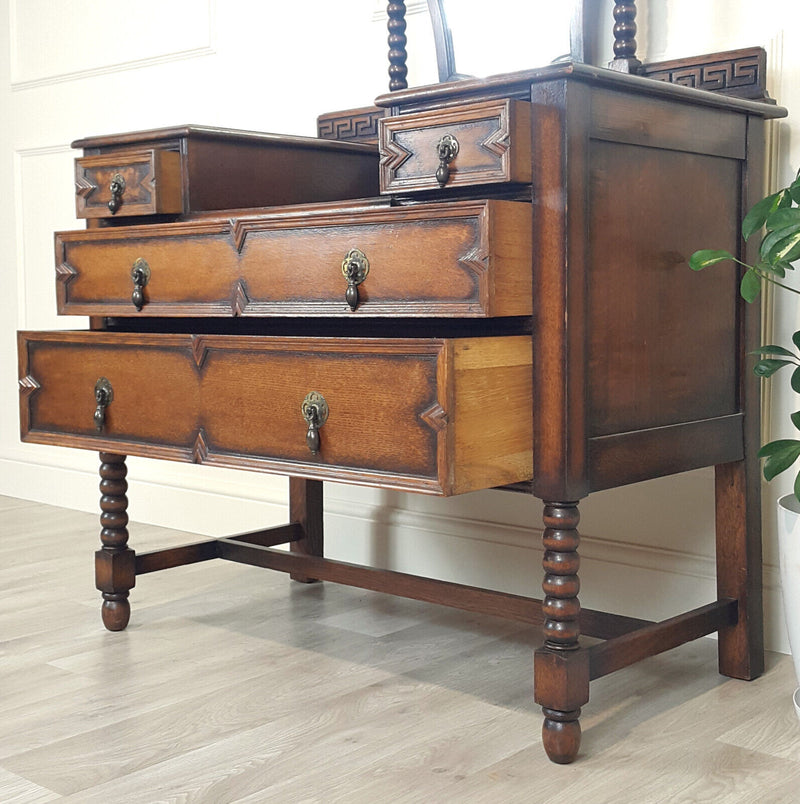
(561, 668)
(115, 569)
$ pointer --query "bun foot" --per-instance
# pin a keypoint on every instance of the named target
(115, 611)
(561, 735)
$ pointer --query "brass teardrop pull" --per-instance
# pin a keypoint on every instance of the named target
(315, 411)
(140, 274)
(117, 188)
(355, 267)
(446, 150)
(103, 396)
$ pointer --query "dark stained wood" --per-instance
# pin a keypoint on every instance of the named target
(559, 300)
(597, 624)
(614, 654)
(351, 125)
(561, 655)
(157, 560)
(644, 372)
(189, 169)
(607, 362)
(616, 460)
(520, 86)
(305, 511)
(287, 175)
(115, 573)
(152, 183)
(493, 146)
(468, 598)
(290, 263)
(738, 484)
(625, 38)
(270, 537)
(630, 119)
(405, 413)
(396, 11)
(741, 73)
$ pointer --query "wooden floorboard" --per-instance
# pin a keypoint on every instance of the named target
(233, 685)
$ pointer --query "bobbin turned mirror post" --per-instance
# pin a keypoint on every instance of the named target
(515, 35)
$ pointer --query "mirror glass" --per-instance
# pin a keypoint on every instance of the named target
(508, 35)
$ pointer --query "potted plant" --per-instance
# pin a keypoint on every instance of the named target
(778, 215)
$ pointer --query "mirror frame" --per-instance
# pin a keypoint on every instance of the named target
(582, 27)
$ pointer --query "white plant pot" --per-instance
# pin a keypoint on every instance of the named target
(789, 556)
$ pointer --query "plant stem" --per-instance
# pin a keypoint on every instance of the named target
(768, 278)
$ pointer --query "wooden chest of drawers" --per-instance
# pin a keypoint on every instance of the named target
(515, 310)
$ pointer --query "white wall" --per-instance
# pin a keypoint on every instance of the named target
(95, 68)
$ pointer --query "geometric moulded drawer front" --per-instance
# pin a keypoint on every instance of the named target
(472, 144)
(145, 182)
(441, 416)
(464, 259)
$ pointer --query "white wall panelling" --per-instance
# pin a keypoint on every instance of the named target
(69, 69)
(37, 207)
(61, 41)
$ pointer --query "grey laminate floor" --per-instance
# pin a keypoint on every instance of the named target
(234, 685)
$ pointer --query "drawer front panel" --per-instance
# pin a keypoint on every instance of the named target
(462, 259)
(480, 143)
(441, 416)
(146, 182)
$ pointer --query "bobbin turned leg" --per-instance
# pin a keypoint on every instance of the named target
(561, 668)
(115, 569)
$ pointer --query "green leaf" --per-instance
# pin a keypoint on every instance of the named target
(794, 191)
(797, 486)
(775, 245)
(789, 249)
(750, 285)
(795, 417)
(772, 349)
(705, 257)
(767, 367)
(796, 380)
(796, 339)
(780, 455)
(778, 269)
(782, 218)
(772, 447)
(758, 215)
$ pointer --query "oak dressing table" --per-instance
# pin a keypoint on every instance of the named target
(496, 296)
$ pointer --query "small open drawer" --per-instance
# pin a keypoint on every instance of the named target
(474, 144)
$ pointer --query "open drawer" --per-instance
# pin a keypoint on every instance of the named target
(189, 169)
(441, 416)
(465, 259)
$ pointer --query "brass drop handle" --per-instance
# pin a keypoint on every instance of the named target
(103, 396)
(446, 150)
(315, 411)
(140, 274)
(117, 188)
(355, 267)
